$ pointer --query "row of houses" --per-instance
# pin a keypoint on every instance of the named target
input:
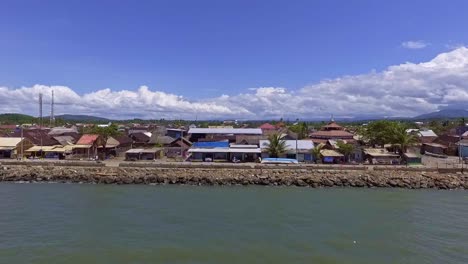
(214, 144)
(250, 144)
(68, 143)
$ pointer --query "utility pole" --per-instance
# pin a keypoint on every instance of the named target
(40, 119)
(52, 117)
(22, 143)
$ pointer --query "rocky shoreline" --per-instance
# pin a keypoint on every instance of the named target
(311, 177)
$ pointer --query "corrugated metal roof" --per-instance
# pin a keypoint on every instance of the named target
(216, 144)
(436, 145)
(165, 140)
(291, 144)
(68, 148)
(39, 148)
(330, 153)
(87, 139)
(376, 152)
(9, 141)
(235, 131)
(62, 130)
(267, 126)
(134, 151)
(242, 146)
(427, 133)
(150, 150)
(65, 140)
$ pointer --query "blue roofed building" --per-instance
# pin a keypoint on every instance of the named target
(223, 151)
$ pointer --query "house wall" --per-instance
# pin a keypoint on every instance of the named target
(85, 153)
(6, 154)
(464, 151)
(301, 157)
(148, 156)
(383, 160)
(212, 156)
(434, 150)
(27, 144)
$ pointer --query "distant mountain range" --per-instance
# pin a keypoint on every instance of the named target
(80, 118)
(12, 118)
(446, 113)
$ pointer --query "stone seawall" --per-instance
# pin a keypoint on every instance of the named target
(274, 176)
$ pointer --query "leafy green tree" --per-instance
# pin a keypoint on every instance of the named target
(345, 149)
(462, 121)
(378, 133)
(105, 133)
(276, 145)
(301, 129)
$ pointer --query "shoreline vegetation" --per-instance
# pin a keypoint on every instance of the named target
(235, 174)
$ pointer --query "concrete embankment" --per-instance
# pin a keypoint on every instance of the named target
(313, 176)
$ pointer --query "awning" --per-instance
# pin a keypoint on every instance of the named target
(62, 149)
(380, 153)
(153, 150)
(33, 149)
(109, 146)
(81, 146)
(49, 149)
(135, 151)
(330, 153)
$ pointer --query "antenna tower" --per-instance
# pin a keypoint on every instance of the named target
(52, 117)
(40, 110)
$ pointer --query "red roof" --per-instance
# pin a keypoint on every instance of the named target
(332, 125)
(87, 139)
(267, 126)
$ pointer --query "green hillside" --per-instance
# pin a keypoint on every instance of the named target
(16, 119)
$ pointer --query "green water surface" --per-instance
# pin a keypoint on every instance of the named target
(71, 223)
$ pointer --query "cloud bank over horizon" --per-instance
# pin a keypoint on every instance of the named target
(403, 90)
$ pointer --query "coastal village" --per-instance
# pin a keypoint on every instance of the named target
(376, 142)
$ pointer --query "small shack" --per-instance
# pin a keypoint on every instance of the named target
(331, 156)
(13, 147)
(381, 156)
(143, 154)
(434, 148)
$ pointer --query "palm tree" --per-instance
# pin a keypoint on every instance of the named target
(276, 145)
(401, 138)
(316, 152)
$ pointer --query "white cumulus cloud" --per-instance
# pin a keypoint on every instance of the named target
(401, 90)
(414, 44)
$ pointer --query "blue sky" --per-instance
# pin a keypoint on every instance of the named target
(204, 49)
